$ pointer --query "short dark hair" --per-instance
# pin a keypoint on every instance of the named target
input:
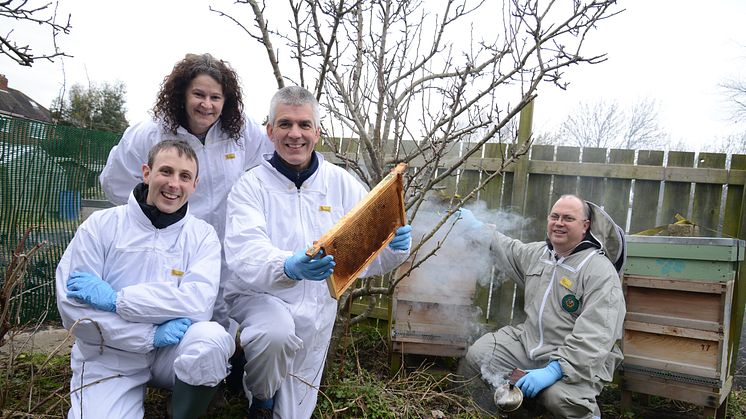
(181, 147)
(169, 105)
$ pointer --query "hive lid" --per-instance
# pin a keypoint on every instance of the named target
(696, 241)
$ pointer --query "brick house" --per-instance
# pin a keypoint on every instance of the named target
(15, 105)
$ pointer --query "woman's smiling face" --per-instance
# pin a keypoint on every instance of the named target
(204, 103)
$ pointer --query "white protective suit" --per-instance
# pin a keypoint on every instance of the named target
(222, 161)
(159, 275)
(286, 324)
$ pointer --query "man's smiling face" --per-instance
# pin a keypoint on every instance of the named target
(171, 180)
(294, 134)
(567, 224)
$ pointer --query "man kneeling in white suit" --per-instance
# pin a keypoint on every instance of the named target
(137, 286)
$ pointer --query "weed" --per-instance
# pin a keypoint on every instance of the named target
(358, 385)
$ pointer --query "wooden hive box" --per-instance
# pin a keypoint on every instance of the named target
(430, 321)
(683, 318)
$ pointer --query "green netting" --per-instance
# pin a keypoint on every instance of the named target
(45, 172)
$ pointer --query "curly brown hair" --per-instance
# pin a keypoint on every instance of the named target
(169, 106)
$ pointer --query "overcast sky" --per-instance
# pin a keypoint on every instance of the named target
(676, 52)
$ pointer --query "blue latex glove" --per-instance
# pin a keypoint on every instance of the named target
(92, 290)
(402, 239)
(170, 332)
(301, 266)
(467, 217)
(536, 380)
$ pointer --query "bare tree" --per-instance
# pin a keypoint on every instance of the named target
(406, 81)
(736, 91)
(21, 12)
(607, 125)
(730, 144)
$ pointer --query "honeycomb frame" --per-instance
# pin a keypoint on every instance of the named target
(361, 234)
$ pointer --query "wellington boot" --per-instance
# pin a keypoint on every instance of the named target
(190, 402)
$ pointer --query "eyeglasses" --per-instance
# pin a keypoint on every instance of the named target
(567, 219)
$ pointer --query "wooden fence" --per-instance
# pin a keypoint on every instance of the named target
(639, 189)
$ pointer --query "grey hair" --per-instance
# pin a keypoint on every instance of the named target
(294, 95)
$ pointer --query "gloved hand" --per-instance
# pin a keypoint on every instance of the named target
(467, 217)
(301, 266)
(170, 332)
(92, 290)
(536, 380)
(402, 239)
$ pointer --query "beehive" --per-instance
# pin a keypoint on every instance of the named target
(358, 237)
(684, 315)
(430, 321)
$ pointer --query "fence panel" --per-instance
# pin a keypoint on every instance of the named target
(646, 192)
(706, 200)
(468, 178)
(616, 195)
(45, 172)
(565, 184)
(538, 188)
(676, 194)
(493, 194)
(592, 188)
(509, 181)
(449, 186)
(734, 200)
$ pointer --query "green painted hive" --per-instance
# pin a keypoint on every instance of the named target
(685, 307)
(694, 258)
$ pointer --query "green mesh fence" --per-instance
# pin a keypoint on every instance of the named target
(45, 172)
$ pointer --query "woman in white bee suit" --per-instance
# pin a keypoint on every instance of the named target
(200, 102)
(574, 308)
(136, 286)
(277, 293)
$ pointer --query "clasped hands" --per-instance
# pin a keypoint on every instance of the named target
(98, 294)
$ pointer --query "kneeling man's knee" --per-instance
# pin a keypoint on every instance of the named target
(203, 354)
(561, 401)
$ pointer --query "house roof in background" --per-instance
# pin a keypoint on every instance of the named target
(16, 104)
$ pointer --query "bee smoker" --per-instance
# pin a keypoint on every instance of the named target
(508, 397)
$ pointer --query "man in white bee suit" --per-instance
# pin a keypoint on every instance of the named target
(574, 308)
(278, 294)
(136, 286)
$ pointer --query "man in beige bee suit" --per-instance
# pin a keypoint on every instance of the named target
(574, 309)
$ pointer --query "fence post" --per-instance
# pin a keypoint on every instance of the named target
(520, 172)
(738, 358)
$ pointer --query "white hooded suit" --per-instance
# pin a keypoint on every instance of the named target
(286, 324)
(159, 275)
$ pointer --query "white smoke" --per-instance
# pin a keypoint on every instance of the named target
(461, 260)
(494, 378)
(464, 253)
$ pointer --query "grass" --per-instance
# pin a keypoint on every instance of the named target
(358, 385)
(34, 384)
